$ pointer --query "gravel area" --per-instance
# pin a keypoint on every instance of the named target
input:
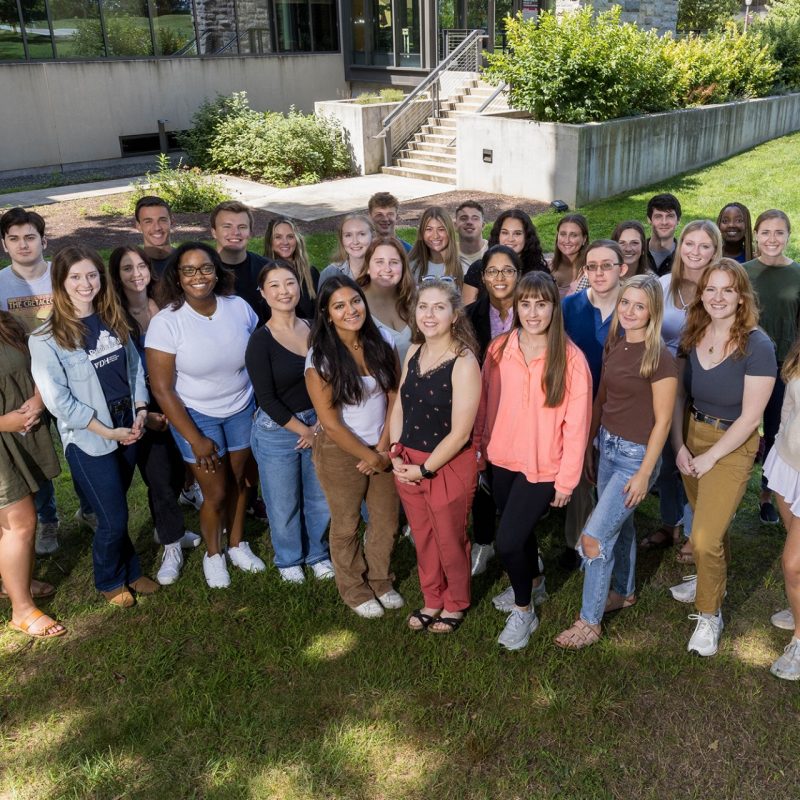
(72, 178)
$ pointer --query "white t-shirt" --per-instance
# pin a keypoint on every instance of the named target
(365, 420)
(209, 354)
(401, 339)
(29, 301)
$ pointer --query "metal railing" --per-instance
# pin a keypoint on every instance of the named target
(425, 100)
(496, 101)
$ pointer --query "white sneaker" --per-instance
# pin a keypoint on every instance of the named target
(216, 571)
(46, 538)
(188, 540)
(89, 520)
(193, 496)
(519, 627)
(292, 574)
(686, 591)
(505, 600)
(171, 563)
(783, 620)
(244, 558)
(788, 665)
(481, 554)
(392, 599)
(369, 609)
(323, 570)
(705, 639)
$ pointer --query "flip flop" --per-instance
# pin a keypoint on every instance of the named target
(43, 591)
(50, 632)
(452, 623)
(424, 620)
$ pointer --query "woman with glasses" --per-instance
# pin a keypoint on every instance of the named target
(196, 355)
(514, 229)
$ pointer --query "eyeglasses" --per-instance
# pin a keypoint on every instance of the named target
(506, 272)
(445, 278)
(204, 269)
(606, 266)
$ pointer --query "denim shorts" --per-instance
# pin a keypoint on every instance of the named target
(228, 433)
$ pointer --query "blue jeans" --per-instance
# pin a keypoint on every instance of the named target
(611, 524)
(105, 481)
(228, 433)
(296, 505)
(45, 501)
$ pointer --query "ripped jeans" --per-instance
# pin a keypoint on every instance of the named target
(611, 524)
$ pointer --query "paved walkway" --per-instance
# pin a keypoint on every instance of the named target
(306, 203)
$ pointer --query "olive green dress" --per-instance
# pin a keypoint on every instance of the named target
(25, 461)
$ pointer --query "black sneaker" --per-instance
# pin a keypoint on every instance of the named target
(768, 515)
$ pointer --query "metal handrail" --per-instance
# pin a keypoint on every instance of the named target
(491, 98)
(431, 81)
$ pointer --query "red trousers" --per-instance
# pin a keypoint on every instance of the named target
(437, 510)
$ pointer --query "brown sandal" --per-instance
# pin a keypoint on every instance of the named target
(665, 536)
(684, 556)
(616, 602)
(580, 635)
(48, 632)
(39, 590)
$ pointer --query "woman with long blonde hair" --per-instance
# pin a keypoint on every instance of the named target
(435, 252)
(631, 420)
(282, 240)
(354, 237)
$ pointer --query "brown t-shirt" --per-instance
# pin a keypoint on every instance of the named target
(628, 407)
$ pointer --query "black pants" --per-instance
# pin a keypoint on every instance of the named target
(772, 418)
(484, 512)
(162, 470)
(522, 504)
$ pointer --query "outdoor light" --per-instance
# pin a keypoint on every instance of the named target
(560, 206)
(747, 4)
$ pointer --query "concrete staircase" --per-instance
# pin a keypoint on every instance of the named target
(431, 153)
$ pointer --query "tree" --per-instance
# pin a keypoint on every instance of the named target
(705, 15)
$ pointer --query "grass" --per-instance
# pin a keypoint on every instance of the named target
(274, 691)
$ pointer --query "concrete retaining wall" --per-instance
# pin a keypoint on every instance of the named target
(581, 163)
(60, 113)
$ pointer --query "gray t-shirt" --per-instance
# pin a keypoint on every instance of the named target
(718, 391)
(29, 301)
(342, 268)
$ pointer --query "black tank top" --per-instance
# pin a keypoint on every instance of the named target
(427, 404)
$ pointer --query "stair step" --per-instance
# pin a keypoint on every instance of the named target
(405, 172)
(444, 156)
(422, 145)
(426, 166)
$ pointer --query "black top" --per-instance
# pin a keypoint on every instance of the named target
(245, 275)
(427, 404)
(277, 375)
(478, 315)
(473, 276)
(108, 357)
(307, 307)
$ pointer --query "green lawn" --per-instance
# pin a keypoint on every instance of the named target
(274, 691)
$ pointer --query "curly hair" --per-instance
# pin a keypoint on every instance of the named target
(170, 292)
(460, 329)
(404, 290)
(531, 255)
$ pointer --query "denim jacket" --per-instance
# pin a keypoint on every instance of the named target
(72, 393)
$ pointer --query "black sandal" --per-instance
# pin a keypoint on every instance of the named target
(424, 621)
(452, 623)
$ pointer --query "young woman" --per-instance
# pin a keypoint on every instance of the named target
(782, 469)
(284, 429)
(27, 460)
(434, 464)
(491, 315)
(776, 280)
(737, 232)
(566, 266)
(730, 365)
(389, 289)
(283, 240)
(699, 245)
(631, 418)
(355, 235)
(531, 429)
(195, 353)
(513, 229)
(435, 252)
(632, 241)
(157, 457)
(90, 376)
(351, 375)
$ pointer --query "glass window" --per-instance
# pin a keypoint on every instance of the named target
(76, 28)
(173, 24)
(127, 28)
(11, 47)
(372, 32)
(324, 25)
(293, 26)
(254, 27)
(408, 19)
(37, 28)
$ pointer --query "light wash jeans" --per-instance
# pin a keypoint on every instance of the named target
(611, 523)
(296, 505)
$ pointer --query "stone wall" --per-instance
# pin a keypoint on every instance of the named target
(659, 14)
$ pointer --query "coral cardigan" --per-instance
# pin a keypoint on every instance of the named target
(515, 430)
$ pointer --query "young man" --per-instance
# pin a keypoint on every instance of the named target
(587, 319)
(231, 227)
(663, 214)
(469, 224)
(382, 208)
(154, 221)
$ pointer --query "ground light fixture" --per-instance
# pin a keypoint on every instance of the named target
(560, 206)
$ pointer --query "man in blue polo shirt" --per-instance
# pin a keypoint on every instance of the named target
(587, 319)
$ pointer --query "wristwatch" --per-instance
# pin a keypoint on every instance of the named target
(426, 473)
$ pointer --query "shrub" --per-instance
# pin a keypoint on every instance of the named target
(384, 96)
(205, 123)
(284, 150)
(184, 188)
(705, 15)
(780, 30)
(582, 68)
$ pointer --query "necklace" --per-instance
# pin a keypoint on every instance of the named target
(437, 358)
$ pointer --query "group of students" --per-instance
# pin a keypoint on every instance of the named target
(583, 381)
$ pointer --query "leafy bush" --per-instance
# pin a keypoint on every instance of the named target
(582, 68)
(384, 96)
(780, 30)
(705, 15)
(205, 123)
(285, 150)
(184, 188)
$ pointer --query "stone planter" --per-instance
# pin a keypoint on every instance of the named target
(511, 154)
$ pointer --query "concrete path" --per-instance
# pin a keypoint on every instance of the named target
(306, 203)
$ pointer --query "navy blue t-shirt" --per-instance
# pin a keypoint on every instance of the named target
(109, 359)
(587, 329)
